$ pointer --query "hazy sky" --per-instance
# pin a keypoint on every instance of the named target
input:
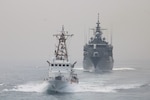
(27, 26)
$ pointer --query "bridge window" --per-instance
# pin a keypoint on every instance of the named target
(52, 64)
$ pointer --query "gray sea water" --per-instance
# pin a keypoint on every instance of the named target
(127, 81)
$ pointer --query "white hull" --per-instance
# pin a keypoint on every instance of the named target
(59, 86)
(56, 85)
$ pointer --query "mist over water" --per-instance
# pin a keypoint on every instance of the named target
(124, 80)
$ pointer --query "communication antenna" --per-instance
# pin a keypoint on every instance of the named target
(111, 34)
(85, 36)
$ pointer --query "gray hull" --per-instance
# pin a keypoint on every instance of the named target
(98, 53)
(98, 65)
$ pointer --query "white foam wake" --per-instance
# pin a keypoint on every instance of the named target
(104, 88)
(81, 87)
(30, 87)
(125, 68)
(92, 88)
(117, 68)
(1, 84)
(86, 87)
(124, 86)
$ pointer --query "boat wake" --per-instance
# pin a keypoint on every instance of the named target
(123, 68)
(1, 84)
(115, 69)
(30, 87)
(85, 87)
(104, 88)
(41, 87)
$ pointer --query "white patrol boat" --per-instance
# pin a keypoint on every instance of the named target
(61, 72)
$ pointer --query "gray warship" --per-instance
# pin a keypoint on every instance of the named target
(61, 70)
(98, 53)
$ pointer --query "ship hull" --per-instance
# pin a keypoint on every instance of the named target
(56, 86)
(98, 64)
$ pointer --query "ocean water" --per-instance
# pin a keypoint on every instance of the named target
(127, 81)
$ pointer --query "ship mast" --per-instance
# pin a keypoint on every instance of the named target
(98, 33)
(61, 49)
(98, 26)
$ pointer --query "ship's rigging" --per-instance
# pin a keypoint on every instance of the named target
(61, 52)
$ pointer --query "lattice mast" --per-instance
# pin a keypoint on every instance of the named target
(61, 49)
